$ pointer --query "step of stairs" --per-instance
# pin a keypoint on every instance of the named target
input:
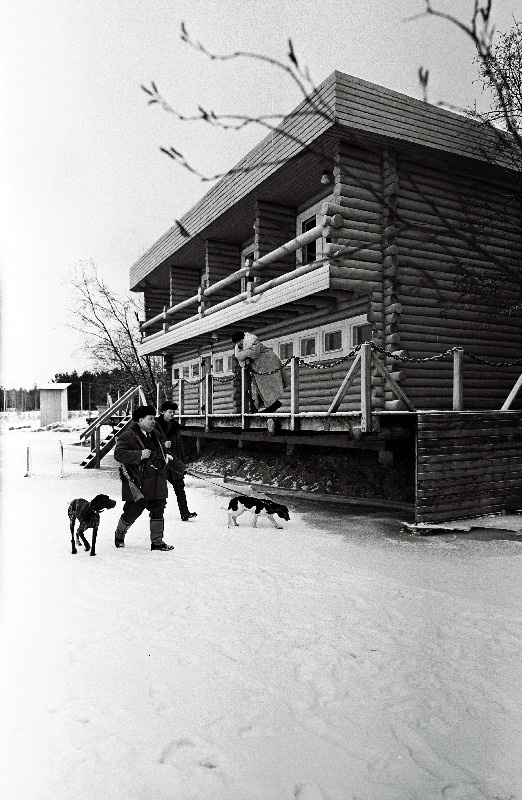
(106, 444)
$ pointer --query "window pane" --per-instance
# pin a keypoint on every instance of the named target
(286, 350)
(308, 346)
(309, 251)
(230, 363)
(218, 365)
(362, 333)
(333, 340)
(175, 374)
(195, 370)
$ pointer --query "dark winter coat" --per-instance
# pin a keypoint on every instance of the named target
(171, 432)
(149, 474)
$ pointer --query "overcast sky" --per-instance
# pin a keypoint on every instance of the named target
(81, 172)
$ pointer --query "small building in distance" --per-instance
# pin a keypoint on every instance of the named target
(53, 403)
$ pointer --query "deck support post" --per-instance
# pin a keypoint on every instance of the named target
(458, 387)
(294, 392)
(366, 387)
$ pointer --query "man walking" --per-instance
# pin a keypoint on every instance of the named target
(170, 428)
(144, 484)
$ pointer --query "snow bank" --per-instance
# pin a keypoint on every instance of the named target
(334, 660)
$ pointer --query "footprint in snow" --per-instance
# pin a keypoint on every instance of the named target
(308, 791)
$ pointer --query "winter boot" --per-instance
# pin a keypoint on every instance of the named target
(157, 527)
(119, 533)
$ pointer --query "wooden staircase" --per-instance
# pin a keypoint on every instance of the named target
(121, 410)
(106, 444)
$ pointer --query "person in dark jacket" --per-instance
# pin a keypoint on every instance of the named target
(144, 462)
(170, 428)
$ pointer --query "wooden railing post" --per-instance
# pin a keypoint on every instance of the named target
(181, 396)
(243, 397)
(458, 386)
(294, 392)
(366, 387)
(208, 398)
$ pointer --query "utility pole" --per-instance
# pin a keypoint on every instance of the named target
(81, 395)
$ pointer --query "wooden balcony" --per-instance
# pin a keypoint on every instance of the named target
(315, 280)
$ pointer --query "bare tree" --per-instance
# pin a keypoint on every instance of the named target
(109, 327)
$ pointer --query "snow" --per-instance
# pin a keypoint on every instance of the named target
(338, 659)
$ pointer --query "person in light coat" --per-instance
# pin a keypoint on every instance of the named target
(269, 379)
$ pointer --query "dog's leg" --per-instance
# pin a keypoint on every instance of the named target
(274, 521)
(73, 545)
(94, 535)
(82, 537)
(254, 523)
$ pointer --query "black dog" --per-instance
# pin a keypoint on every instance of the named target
(241, 503)
(88, 515)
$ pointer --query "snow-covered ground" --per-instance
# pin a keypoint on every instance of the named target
(337, 659)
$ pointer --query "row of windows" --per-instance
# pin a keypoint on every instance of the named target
(317, 344)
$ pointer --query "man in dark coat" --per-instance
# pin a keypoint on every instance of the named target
(144, 466)
(170, 429)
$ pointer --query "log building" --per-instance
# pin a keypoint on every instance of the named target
(339, 240)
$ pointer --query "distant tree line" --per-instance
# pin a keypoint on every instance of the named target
(89, 390)
(86, 392)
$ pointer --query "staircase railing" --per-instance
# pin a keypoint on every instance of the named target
(99, 449)
(109, 412)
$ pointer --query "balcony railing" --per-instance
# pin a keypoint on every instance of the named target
(245, 272)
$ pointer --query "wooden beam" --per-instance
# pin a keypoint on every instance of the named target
(348, 380)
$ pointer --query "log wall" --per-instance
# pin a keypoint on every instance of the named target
(184, 283)
(442, 222)
(468, 464)
(274, 225)
(154, 301)
(221, 259)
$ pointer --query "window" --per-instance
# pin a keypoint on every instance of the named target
(195, 369)
(286, 350)
(309, 251)
(176, 373)
(230, 363)
(333, 340)
(361, 333)
(307, 346)
(219, 365)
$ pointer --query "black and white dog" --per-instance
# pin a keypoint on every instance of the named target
(88, 515)
(242, 502)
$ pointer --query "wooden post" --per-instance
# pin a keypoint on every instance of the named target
(97, 457)
(158, 397)
(181, 397)
(366, 389)
(513, 393)
(243, 397)
(336, 402)
(294, 392)
(208, 398)
(458, 394)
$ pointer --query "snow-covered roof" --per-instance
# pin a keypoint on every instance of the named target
(54, 386)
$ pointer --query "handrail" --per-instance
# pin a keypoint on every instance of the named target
(110, 411)
(285, 249)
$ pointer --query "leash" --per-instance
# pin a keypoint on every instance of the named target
(203, 478)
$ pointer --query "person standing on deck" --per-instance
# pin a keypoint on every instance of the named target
(269, 380)
(169, 428)
(144, 483)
